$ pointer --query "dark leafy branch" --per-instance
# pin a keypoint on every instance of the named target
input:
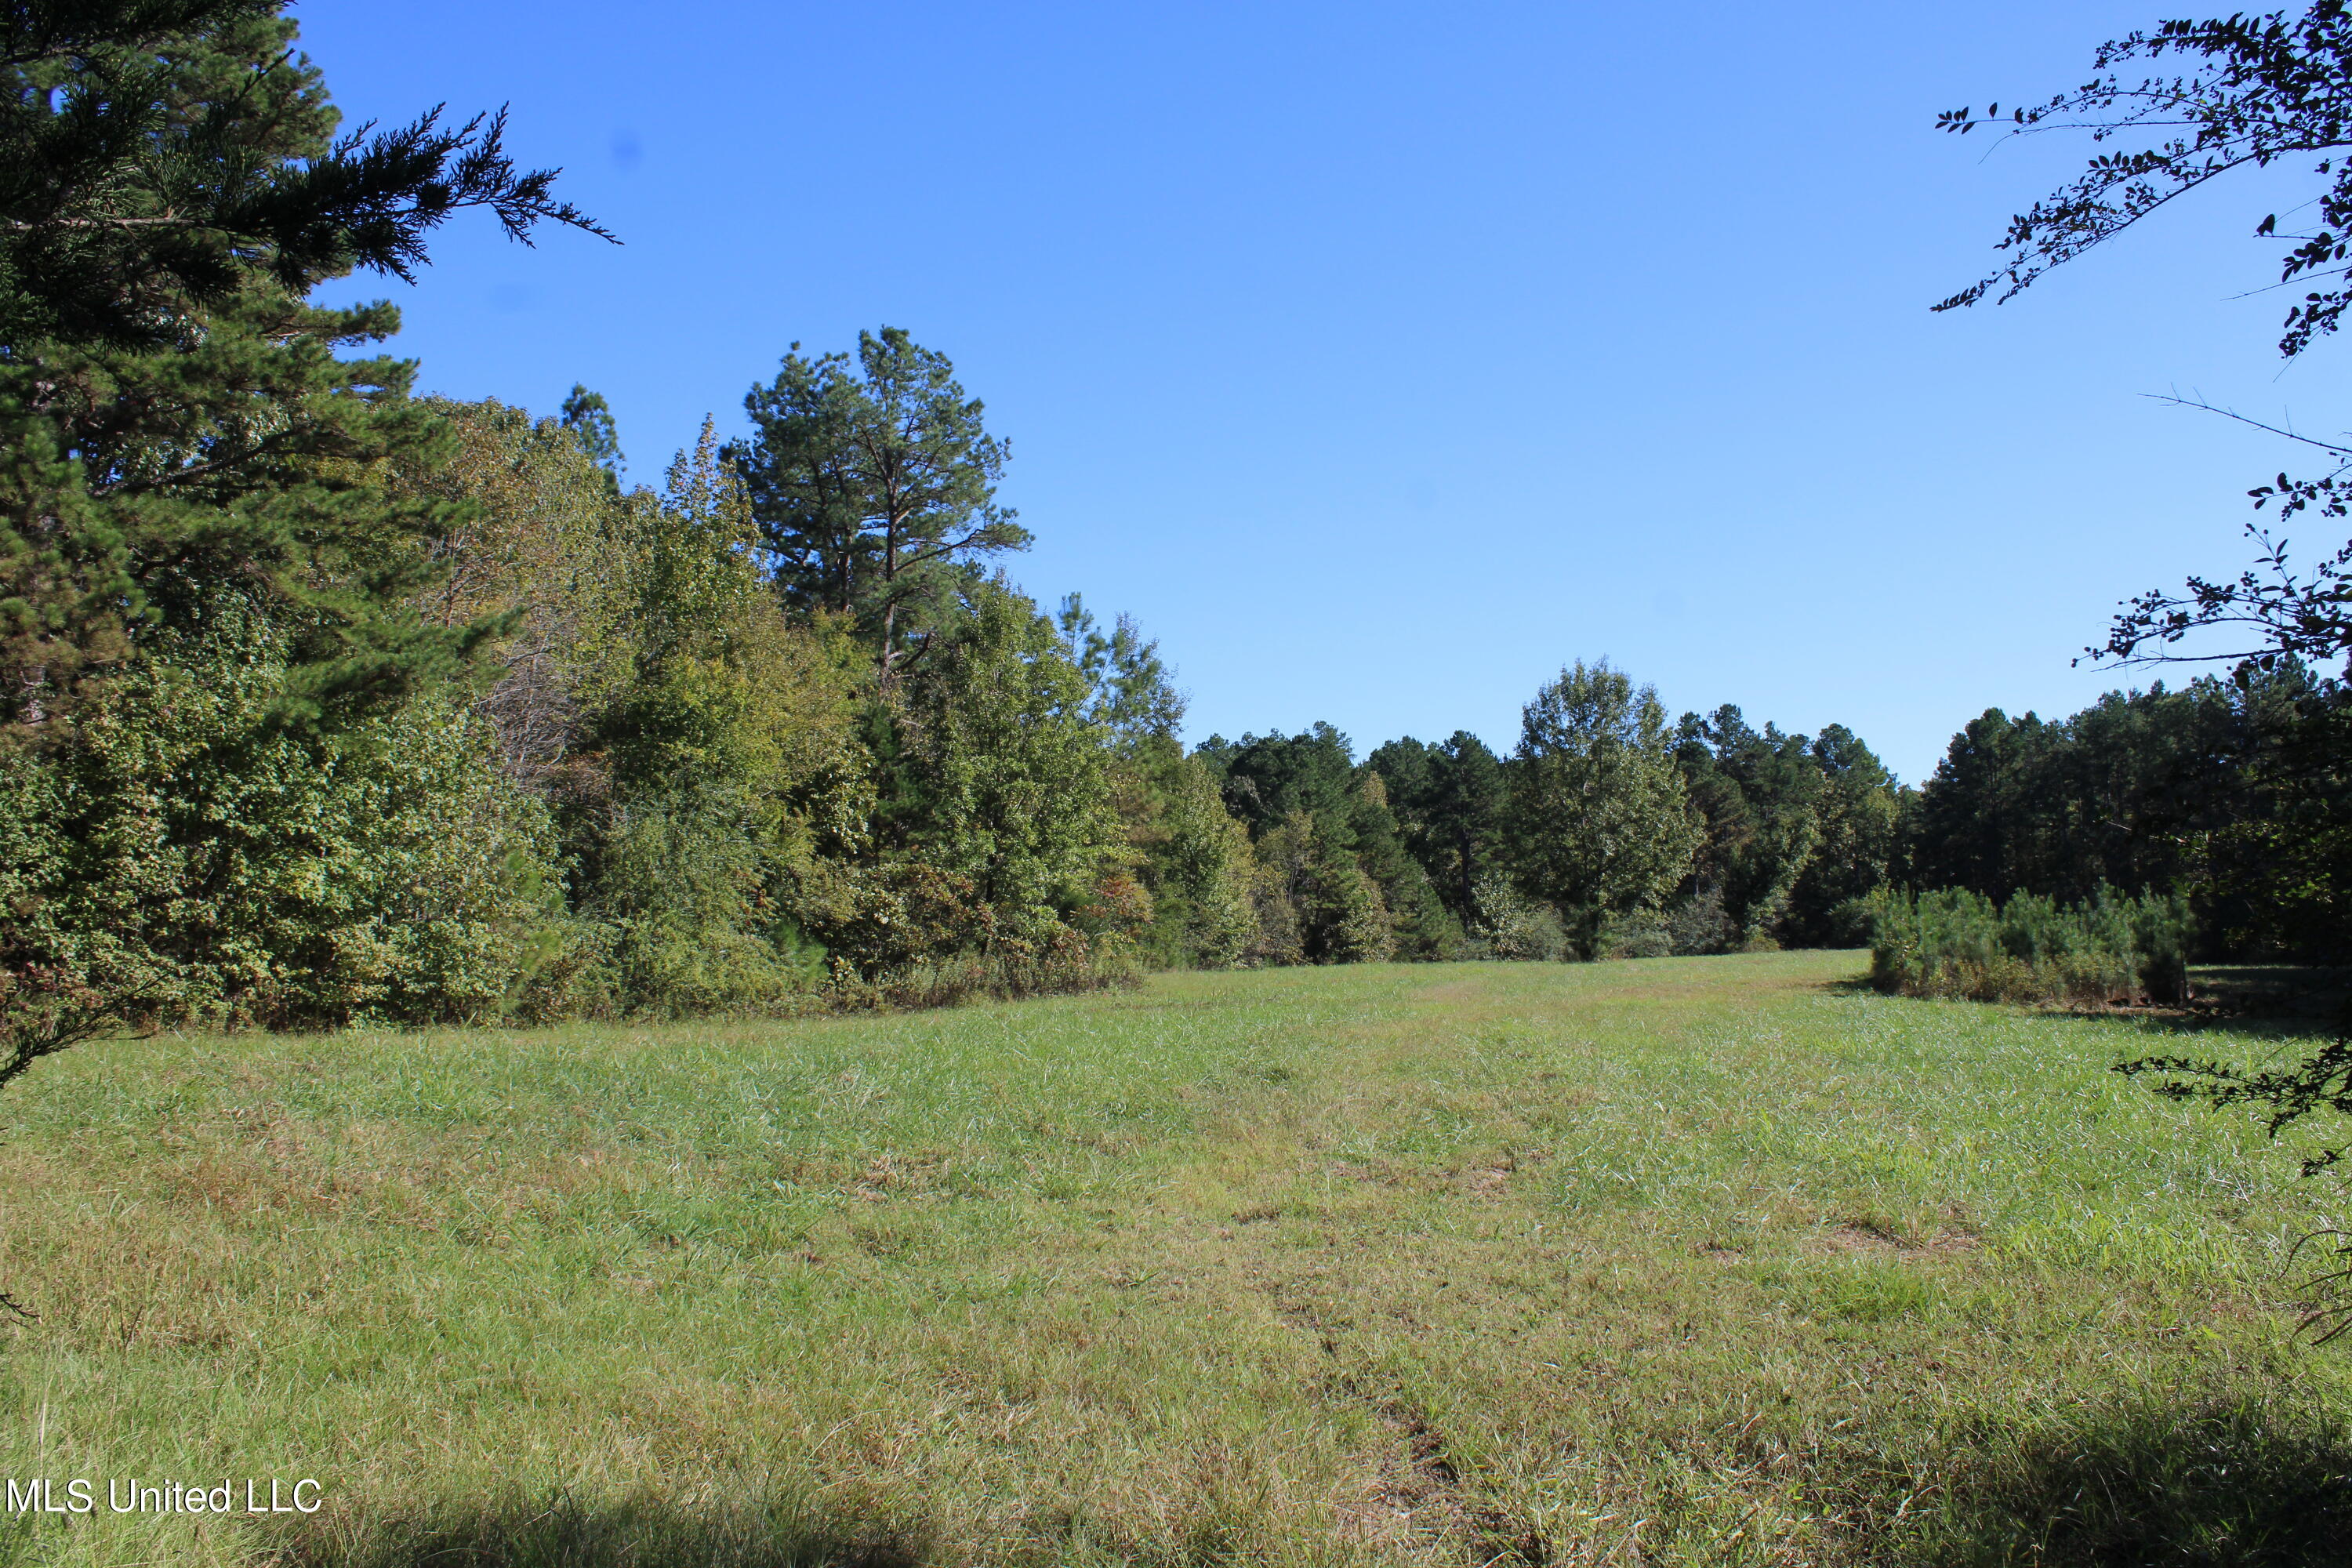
(372, 202)
(42, 30)
(2329, 1316)
(2290, 614)
(2322, 1082)
(2262, 89)
(2294, 617)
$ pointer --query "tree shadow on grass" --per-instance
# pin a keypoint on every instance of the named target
(2215, 1485)
(742, 1532)
(2259, 1003)
(639, 1532)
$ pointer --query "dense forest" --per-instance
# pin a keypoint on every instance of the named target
(326, 702)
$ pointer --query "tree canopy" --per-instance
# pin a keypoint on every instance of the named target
(873, 480)
(1600, 810)
(2256, 90)
(172, 412)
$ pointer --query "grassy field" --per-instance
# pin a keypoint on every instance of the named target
(1681, 1261)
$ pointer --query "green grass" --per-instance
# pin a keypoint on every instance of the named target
(1675, 1260)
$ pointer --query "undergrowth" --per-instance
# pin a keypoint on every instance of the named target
(1956, 943)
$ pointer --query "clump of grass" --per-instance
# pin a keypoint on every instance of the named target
(1956, 943)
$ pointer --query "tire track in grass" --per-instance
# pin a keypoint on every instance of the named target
(1420, 1492)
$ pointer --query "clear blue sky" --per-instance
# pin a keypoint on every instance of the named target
(1382, 359)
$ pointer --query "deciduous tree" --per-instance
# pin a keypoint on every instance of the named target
(1601, 822)
(2255, 90)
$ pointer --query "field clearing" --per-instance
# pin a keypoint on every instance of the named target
(1674, 1260)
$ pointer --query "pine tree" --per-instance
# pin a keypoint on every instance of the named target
(193, 477)
(173, 414)
(1448, 797)
(875, 486)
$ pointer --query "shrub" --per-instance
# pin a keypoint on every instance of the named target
(1644, 933)
(1511, 925)
(1851, 923)
(187, 854)
(1695, 925)
(1065, 962)
(1701, 925)
(686, 896)
(1958, 943)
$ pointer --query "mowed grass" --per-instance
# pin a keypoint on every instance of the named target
(1677, 1260)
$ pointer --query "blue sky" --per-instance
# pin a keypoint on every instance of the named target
(1382, 359)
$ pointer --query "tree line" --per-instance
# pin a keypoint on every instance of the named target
(1608, 832)
(323, 701)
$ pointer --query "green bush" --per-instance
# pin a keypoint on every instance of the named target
(187, 854)
(1514, 927)
(1640, 934)
(1700, 924)
(1953, 942)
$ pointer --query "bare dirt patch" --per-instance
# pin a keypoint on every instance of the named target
(1868, 1237)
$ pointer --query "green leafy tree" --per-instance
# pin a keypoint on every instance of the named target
(183, 857)
(1759, 796)
(1134, 697)
(539, 549)
(1311, 904)
(199, 496)
(2121, 794)
(2272, 875)
(1268, 779)
(1197, 864)
(1600, 821)
(1422, 928)
(997, 778)
(1514, 928)
(873, 480)
(1449, 799)
(163, 156)
(716, 776)
(1315, 902)
(590, 419)
(134, 482)
(1190, 859)
(1860, 812)
(1975, 824)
